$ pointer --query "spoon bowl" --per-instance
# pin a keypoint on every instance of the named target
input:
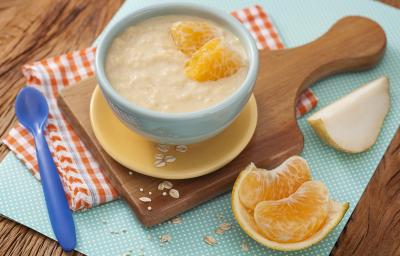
(31, 109)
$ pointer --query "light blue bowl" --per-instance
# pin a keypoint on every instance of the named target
(178, 128)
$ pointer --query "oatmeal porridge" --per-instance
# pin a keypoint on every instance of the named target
(154, 66)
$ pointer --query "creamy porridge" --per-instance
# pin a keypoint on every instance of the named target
(145, 66)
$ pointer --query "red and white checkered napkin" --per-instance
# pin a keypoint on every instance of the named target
(84, 182)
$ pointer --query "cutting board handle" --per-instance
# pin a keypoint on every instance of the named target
(353, 43)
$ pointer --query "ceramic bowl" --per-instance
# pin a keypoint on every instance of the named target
(178, 128)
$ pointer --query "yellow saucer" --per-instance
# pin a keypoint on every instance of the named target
(138, 154)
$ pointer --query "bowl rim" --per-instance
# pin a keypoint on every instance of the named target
(245, 37)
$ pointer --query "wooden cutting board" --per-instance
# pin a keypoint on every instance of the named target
(353, 43)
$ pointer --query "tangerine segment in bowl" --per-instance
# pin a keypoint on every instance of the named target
(260, 185)
(296, 217)
(213, 61)
(189, 36)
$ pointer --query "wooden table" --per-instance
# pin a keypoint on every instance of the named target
(33, 30)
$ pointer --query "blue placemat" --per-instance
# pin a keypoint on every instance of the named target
(112, 229)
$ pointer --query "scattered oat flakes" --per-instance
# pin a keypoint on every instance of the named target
(181, 148)
(169, 159)
(164, 193)
(209, 240)
(174, 193)
(149, 208)
(145, 199)
(141, 189)
(176, 220)
(149, 237)
(128, 253)
(165, 238)
(159, 163)
(150, 193)
(130, 173)
(245, 247)
(163, 148)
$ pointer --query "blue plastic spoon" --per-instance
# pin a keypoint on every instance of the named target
(32, 111)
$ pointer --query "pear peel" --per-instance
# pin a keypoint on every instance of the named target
(352, 124)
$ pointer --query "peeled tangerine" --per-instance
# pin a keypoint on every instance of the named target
(212, 61)
(260, 185)
(189, 36)
(353, 123)
(289, 211)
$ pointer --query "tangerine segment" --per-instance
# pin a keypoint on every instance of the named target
(260, 184)
(212, 61)
(295, 218)
(189, 36)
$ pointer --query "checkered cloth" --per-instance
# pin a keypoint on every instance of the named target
(83, 180)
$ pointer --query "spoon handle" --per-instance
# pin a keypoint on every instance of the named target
(57, 205)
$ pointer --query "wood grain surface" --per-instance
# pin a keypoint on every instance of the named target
(359, 43)
(32, 30)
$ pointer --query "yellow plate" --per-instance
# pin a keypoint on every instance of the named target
(138, 154)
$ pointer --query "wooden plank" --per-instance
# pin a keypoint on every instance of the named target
(34, 30)
(374, 226)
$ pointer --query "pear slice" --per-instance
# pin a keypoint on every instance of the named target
(352, 123)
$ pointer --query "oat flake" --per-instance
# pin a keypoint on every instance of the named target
(176, 220)
(165, 238)
(219, 231)
(174, 193)
(225, 226)
(209, 240)
(163, 148)
(145, 199)
(181, 148)
(165, 185)
(159, 163)
(159, 156)
(245, 247)
(169, 159)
